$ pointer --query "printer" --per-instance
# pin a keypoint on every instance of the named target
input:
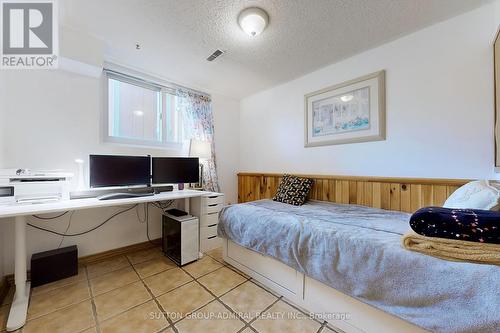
(24, 186)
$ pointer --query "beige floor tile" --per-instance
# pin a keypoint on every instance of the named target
(81, 276)
(248, 300)
(90, 330)
(265, 287)
(238, 271)
(153, 266)
(180, 302)
(56, 299)
(203, 266)
(166, 281)
(145, 255)
(146, 318)
(248, 330)
(113, 280)
(75, 318)
(282, 317)
(213, 317)
(4, 314)
(330, 330)
(120, 300)
(216, 254)
(221, 280)
(106, 266)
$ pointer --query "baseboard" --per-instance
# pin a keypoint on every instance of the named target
(4, 288)
(93, 258)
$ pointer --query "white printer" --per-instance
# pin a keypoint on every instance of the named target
(24, 186)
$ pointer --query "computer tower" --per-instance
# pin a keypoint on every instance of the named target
(180, 239)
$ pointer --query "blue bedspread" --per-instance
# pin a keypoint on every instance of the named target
(357, 251)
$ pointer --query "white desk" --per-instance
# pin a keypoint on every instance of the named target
(19, 307)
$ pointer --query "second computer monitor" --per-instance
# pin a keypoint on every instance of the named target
(175, 170)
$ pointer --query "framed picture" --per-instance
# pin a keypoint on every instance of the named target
(353, 111)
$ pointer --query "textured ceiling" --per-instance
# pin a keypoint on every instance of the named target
(176, 36)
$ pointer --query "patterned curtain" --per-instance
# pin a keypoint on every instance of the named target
(198, 122)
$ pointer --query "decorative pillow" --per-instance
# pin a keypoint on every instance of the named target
(293, 190)
(478, 194)
(472, 225)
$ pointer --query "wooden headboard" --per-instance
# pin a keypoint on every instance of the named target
(401, 194)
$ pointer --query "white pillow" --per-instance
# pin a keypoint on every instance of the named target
(479, 194)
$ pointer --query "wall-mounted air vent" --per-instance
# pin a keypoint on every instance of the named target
(215, 55)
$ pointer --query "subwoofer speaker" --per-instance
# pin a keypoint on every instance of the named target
(53, 265)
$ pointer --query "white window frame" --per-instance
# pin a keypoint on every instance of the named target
(136, 78)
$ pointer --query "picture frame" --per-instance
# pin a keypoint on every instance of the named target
(349, 112)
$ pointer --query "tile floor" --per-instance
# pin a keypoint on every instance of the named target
(144, 292)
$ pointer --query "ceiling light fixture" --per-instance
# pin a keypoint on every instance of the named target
(253, 21)
(138, 113)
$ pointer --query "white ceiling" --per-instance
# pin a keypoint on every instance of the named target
(303, 35)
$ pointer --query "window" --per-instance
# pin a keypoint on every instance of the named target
(141, 112)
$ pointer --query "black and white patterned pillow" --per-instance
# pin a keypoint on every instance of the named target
(293, 190)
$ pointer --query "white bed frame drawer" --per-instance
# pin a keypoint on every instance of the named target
(287, 280)
(314, 296)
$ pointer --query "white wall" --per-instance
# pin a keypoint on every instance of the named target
(2, 120)
(52, 117)
(2, 161)
(226, 122)
(439, 109)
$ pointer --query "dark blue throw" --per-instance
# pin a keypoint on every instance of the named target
(473, 225)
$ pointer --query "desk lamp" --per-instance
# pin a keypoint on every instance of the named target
(202, 150)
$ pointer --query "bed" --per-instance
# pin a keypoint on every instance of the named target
(345, 263)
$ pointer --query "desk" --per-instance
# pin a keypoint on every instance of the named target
(19, 307)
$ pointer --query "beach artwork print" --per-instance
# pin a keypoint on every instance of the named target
(348, 112)
(344, 113)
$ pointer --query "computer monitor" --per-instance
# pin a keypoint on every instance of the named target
(111, 170)
(175, 170)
